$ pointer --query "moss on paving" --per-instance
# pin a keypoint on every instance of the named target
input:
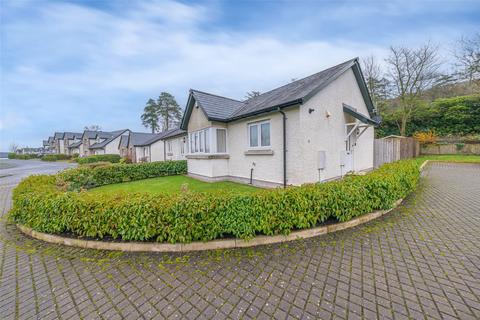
(173, 184)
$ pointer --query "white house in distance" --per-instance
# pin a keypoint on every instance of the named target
(150, 147)
(314, 129)
(167, 145)
(72, 142)
(108, 142)
(101, 142)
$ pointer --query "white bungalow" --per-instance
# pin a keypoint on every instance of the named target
(314, 129)
(167, 145)
(106, 142)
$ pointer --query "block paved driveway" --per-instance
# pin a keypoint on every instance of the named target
(420, 261)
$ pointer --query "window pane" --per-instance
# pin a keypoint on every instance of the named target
(221, 140)
(207, 141)
(196, 141)
(254, 135)
(191, 143)
(265, 134)
(201, 140)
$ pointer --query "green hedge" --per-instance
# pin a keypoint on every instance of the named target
(184, 217)
(56, 157)
(99, 174)
(13, 155)
(113, 158)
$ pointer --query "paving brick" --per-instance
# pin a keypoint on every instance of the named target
(419, 261)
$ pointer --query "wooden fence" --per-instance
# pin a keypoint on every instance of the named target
(390, 149)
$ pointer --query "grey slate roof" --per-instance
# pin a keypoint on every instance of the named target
(108, 136)
(173, 133)
(294, 91)
(216, 107)
(58, 135)
(75, 145)
(72, 135)
(139, 138)
(45, 143)
(124, 141)
(223, 109)
(164, 135)
(50, 139)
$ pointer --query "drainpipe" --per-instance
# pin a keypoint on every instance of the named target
(284, 147)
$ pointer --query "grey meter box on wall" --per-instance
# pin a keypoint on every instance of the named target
(322, 158)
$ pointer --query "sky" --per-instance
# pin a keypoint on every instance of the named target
(69, 64)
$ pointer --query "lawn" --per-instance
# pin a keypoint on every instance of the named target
(173, 184)
(452, 158)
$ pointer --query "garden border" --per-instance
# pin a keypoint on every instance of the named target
(136, 246)
(208, 245)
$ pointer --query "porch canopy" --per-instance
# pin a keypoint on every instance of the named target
(357, 115)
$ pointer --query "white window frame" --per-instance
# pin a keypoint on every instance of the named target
(206, 139)
(182, 145)
(259, 134)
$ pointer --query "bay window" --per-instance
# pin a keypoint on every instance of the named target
(259, 134)
(208, 141)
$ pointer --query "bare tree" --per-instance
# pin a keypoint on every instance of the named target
(93, 127)
(377, 83)
(467, 55)
(13, 147)
(252, 94)
(411, 72)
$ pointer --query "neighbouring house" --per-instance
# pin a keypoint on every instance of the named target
(72, 141)
(314, 129)
(167, 145)
(58, 142)
(137, 151)
(28, 150)
(107, 142)
(100, 142)
(74, 148)
(123, 146)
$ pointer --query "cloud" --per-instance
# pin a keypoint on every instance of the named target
(11, 120)
(68, 65)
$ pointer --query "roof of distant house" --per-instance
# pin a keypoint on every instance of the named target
(139, 138)
(58, 135)
(164, 135)
(72, 135)
(108, 136)
(75, 145)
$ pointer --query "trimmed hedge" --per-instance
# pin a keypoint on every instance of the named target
(56, 157)
(39, 204)
(13, 155)
(113, 158)
(99, 174)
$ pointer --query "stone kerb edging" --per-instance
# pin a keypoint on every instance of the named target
(198, 245)
(209, 245)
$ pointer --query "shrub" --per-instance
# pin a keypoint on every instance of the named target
(56, 157)
(13, 155)
(99, 174)
(113, 158)
(426, 137)
(39, 204)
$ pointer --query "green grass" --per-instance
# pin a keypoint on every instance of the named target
(173, 184)
(451, 158)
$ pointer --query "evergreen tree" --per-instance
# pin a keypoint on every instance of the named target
(150, 115)
(169, 111)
